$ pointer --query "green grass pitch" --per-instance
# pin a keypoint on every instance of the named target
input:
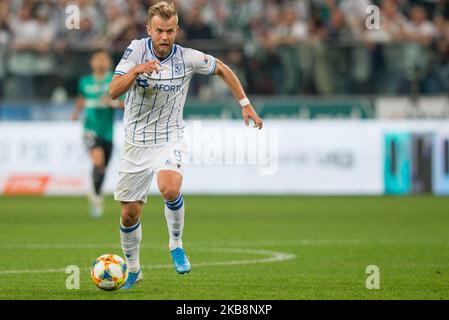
(239, 247)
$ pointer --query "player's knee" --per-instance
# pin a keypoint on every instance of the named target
(98, 157)
(129, 220)
(99, 165)
(130, 215)
(170, 192)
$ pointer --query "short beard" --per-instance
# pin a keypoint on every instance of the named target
(162, 55)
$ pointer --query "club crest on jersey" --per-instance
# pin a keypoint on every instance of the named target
(127, 53)
(178, 68)
(206, 59)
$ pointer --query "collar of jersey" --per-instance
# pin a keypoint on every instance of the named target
(150, 47)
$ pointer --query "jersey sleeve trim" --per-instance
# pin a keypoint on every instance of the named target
(120, 73)
(214, 67)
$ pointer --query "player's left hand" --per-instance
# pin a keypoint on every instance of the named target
(248, 112)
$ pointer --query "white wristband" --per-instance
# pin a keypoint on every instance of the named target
(244, 102)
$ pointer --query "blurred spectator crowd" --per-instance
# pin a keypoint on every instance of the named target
(277, 47)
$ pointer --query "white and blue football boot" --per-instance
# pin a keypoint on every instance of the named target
(182, 264)
(133, 278)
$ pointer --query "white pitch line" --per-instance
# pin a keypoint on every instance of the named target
(272, 257)
(58, 246)
(325, 242)
(302, 242)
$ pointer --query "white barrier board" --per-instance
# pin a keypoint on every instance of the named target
(225, 157)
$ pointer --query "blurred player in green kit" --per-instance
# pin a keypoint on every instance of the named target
(99, 109)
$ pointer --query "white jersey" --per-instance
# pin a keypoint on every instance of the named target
(154, 104)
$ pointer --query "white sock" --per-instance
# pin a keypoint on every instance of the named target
(130, 238)
(174, 214)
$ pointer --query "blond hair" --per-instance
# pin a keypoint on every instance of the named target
(164, 10)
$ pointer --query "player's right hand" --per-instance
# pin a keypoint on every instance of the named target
(149, 67)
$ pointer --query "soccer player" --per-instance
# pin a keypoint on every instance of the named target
(93, 97)
(155, 72)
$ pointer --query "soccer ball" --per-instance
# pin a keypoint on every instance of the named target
(109, 272)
